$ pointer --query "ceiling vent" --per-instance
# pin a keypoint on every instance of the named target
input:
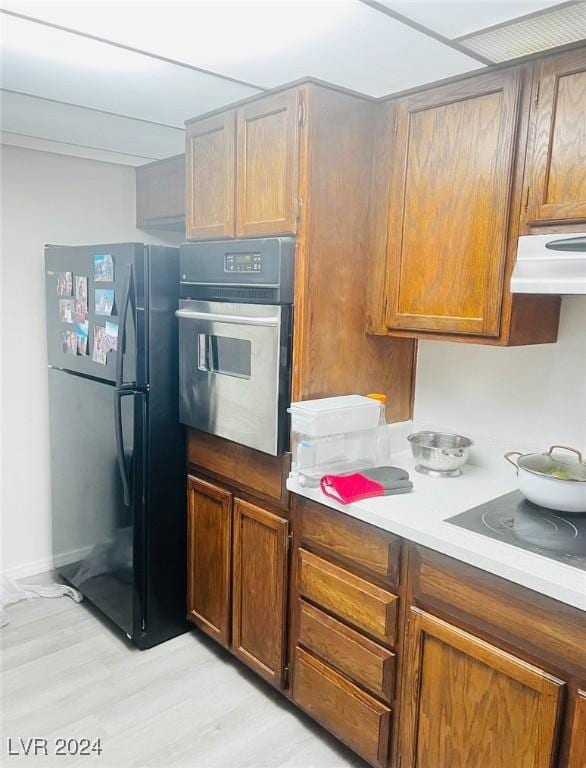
(542, 31)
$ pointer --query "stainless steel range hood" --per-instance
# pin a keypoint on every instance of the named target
(550, 264)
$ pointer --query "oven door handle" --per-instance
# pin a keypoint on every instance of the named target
(265, 322)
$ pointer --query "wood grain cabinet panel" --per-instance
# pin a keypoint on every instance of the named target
(364, 605)
(268, 165)
(210, 177)
(240, 466)
(361, 659)
(368, 547)
(260, 590)
(209, 545)
(467, 703)
(577, 757)
(449, 207)
(557, 175)
(357, 719)
(517, 615)
(160, 194)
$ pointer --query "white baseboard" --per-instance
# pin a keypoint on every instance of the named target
(24, 570)
(36, 567)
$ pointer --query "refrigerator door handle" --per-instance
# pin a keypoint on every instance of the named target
(122, 468)
(128, 299)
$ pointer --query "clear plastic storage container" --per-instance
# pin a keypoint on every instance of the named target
(314, 457)
(331, 415)
(333, 435)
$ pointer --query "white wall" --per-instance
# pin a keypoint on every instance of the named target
(533, 396)
(46, 198)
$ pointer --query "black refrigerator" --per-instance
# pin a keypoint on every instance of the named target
(117, 448)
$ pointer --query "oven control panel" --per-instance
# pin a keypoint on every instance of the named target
(242, 262)
(259, 270)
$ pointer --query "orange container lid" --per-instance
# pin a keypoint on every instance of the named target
(382, 398)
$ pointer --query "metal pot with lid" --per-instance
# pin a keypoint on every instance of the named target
(552, 481)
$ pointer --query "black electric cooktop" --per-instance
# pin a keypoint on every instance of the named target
(514, 520)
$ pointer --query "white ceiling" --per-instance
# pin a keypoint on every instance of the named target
(341, 41)
(40, 60)
(125, 96)
(54, 121)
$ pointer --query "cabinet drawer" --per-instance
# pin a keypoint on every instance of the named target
(352, 540)
(356, 656)
(350, 597)
(535, 623)
(353, 716)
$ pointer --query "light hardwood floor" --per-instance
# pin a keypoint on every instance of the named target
(187, 702)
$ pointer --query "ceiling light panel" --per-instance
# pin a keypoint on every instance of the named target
(270, 43)
(453, 18)
(559, 26)
(40, 60)
(49, 120)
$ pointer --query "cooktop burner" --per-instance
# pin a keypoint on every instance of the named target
(514, 520)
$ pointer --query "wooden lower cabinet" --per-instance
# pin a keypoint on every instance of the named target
(259, 588)
(476, 671)
(209, 546)
(469, 704)
(356, 718)
(238, 576)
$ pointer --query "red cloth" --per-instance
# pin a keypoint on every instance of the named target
(348, 488)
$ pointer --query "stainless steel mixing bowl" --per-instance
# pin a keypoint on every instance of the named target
(439, 455)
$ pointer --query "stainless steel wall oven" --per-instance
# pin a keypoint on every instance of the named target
(235, 332)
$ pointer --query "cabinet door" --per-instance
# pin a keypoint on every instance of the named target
(160, 194)
(260, 589)
(468, 703)
(558, 166)
(451, 181)
(577, 757)
(209, 537)
(268, 165)
(210, 177)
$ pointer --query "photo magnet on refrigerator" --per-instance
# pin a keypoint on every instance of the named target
(104, 301)
(64, 283)
(66, 310)
(81, 295)
(69, 342)
(112, 334)
(100, 345)
(82, 334)
(103, 268)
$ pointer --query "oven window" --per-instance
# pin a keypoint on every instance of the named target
(222, 354)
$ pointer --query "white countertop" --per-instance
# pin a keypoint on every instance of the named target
(420, 517)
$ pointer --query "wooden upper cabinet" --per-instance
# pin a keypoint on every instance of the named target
(260, 590)
(468, 703)
(160, 194)
(452, 170)
(209, 546)
(557, 175)
(268, 165)
(210, 177)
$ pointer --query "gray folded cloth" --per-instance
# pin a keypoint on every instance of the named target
(393, 479)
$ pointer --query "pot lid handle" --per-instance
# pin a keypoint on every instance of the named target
(566, 448)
